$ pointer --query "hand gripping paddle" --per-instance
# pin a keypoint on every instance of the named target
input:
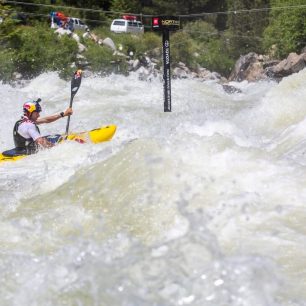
(75, 85)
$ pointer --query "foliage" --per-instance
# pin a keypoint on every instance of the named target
(179, 7)
(7, 67)
(214, 41)
(125, 6)
(246, 24)
(100, 58)
(138, 44)
(150, 44)
(34, 50)
(215, 58)
(183, 49)
(287, 28)
(211, 47)
(201, 31)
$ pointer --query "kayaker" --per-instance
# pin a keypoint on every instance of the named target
(27, 137)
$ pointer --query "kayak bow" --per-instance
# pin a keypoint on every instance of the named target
(94, 136)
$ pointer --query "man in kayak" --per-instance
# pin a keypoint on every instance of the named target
(27, 137)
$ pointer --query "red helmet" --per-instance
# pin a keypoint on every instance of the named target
(30, 107)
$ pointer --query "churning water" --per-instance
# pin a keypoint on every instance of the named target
(204, 206)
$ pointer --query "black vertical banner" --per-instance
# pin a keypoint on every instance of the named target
(167, 75)
(166, 24)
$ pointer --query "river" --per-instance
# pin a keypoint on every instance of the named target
(203, 206)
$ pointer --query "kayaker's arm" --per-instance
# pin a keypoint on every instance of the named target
(55, 117)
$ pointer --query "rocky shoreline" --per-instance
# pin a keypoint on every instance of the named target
(251, 67)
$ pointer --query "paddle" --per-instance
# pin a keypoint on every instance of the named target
(75, 85)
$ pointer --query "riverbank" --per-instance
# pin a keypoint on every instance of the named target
(98, 54)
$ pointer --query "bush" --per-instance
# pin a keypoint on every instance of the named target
(287, 30)
(214, 57)
(183, 49)
(36, 50)
(201, 31)
(151, 44)
(7, 67)
(101, 58)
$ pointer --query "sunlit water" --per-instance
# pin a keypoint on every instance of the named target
(203, 206)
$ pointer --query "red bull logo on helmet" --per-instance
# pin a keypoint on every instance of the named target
(31, 107)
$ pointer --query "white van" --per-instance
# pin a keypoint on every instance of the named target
(126, 26)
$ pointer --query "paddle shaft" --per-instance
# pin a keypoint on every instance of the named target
(75, 85)
(68, 119)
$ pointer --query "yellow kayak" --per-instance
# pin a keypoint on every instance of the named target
(98, 135)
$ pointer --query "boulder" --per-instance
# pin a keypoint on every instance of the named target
(249, 67)
(135, 64)
(61, 31)
(81, 48)
(143, 74)
(90, 35)
(203, 73)
(76, 37)
(109, 43)
(292, 64)
(231, 89)
(179, 73)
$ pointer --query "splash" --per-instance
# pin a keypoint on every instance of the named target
(201, 206)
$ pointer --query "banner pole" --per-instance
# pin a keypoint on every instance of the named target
(167, 72)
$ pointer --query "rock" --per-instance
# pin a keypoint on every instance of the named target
(215, 76)
(82, 61)
(61, 31)
(120, 54)
(90, 35)
(203, 73)
(249, 67)
(206, 75)
(179, 73)
(17, 76)
(135, 64)
(76, 37)
(109, 43)
(81, 48)
(184, 67)
(231, 89)
(80, 56)
(270, 63)
(292, 64)
(156, 52)
(194, 75)
(143, 74)
(254, 67)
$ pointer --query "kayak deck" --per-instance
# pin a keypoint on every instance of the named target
(98, 135)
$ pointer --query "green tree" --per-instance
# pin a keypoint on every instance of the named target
(287, 27)
(179, 7)
(34, 50)
(212, 47)
(246, 23)
(120, 6)
(183, 49)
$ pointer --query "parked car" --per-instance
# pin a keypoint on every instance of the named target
(77, 24)
(128, 24)
(59, 20)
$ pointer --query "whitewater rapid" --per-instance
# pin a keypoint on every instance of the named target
(203, 206)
